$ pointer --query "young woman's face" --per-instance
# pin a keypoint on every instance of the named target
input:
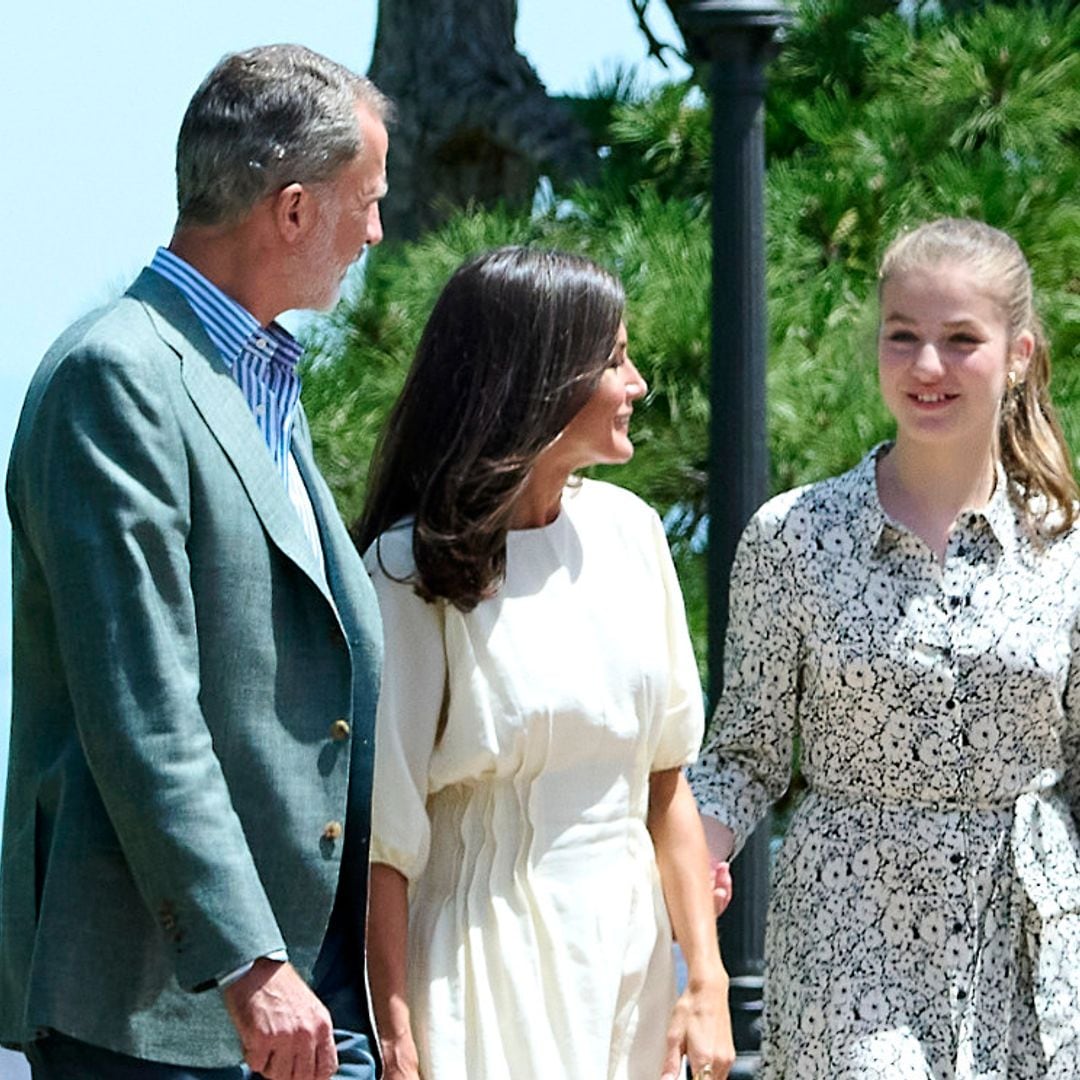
(599, 434)
(944, 356)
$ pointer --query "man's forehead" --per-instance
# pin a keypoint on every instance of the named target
(371, 124)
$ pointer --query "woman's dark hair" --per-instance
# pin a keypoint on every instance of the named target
(516, 344)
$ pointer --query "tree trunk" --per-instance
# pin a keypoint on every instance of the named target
(474, 123)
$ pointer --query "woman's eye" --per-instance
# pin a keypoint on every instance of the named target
(901, 336)
(966, 339)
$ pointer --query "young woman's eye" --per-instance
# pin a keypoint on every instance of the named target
(966, 339)
(902, 337)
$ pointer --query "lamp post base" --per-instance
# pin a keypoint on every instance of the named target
(745, 1068)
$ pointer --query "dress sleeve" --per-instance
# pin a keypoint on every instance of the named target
(1071, 737)
(684, 712)
(746, 762)
(406, 725)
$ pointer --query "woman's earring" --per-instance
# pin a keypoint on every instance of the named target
(1012, 379)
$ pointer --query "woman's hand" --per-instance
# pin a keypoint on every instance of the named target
(700, 1030)
(721, 886)
(400, 1060)
(721, 843)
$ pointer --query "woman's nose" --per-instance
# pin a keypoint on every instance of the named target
(928, 363)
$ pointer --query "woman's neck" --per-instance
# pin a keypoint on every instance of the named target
(927, 488)
(541, 498)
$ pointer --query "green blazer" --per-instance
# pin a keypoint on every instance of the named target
(194, 703)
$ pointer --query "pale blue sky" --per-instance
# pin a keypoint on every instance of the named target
(92, 98)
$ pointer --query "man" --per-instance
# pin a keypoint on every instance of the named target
(196, 644)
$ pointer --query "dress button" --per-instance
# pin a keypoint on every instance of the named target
(332, 830)
(339, 730)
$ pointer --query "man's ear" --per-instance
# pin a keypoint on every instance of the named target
(293, 209)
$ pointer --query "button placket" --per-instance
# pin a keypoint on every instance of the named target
(957, 585)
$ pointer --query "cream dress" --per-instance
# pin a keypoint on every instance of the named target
(539, 944)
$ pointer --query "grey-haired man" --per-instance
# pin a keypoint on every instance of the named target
(196, 644)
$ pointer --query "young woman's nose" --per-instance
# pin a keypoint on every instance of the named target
(928, 363)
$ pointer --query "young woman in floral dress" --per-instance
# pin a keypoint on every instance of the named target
(915, 622)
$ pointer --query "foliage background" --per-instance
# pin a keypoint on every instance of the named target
(876, 120)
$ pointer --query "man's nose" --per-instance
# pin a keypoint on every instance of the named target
(374, 227)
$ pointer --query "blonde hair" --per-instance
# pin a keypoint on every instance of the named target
(1033, 450)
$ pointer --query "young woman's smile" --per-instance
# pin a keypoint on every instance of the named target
(945, 355)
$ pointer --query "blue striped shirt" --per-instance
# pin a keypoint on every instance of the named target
(263, 362)
(262, 359)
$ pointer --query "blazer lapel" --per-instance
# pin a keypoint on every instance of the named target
(337, 545)
(220, 402)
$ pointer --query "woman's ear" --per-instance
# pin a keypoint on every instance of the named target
(1023, 348)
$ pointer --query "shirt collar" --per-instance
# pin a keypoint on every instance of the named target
(880, 530)
(228, 324)
(1001, 515)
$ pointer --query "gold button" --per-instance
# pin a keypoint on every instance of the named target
(332, 830)
(339, 730)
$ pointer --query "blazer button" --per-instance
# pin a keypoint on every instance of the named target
(339, 730)
(332, 830)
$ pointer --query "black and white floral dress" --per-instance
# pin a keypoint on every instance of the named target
(925, 913)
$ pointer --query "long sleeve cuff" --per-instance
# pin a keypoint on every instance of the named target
(279, 955)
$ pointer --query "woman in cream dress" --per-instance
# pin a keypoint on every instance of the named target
(534, 839)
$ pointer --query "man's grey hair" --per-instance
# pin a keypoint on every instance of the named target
(262, 119)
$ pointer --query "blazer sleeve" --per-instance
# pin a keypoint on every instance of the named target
(103, 495)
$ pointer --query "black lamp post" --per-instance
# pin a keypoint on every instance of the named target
(736, 39)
